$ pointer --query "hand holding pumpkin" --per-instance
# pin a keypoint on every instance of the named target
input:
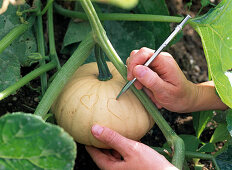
(167, 86)
(135, 155)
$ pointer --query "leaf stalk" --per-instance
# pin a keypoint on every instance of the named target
(41, 45)
(117, 16)
(26, 79)
(52, 46)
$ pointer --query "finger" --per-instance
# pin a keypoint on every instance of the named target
(167, 68)
(101, 159)
(108, 152)
(133, 52)
(112, 139)
(151, 96)
(149, 79)
(138, 85)
(162, 60)
(138, 58)
(128, 62)
(116, 154)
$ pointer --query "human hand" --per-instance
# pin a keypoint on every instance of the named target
(135, 155)
(163, 80)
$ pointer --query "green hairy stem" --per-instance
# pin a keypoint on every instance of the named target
(117, 16)
(190, 155)
(65, 73)
(41, 46)
(175, 142)
(12, 35)
(26, 79)
(52, 46)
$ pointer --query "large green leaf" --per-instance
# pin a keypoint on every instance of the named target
(159, 30)
(17, 53)
(27, 142)
(127, 36)
(76, 32)
(216, 34)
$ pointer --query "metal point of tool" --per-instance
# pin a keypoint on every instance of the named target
(171, 36)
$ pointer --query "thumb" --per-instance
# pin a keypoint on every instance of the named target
(148, 78)
(112, 139)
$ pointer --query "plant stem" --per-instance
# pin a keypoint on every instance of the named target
(40, 43)
(12, 35)
(101, 38)
(190, 155)
(52, 47)
(104, 72)
(117, 16)
(26, 79)
(65, 73)
(49, 4)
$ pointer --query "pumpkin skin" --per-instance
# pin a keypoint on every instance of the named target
(86, 101)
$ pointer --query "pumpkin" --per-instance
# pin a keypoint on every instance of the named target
(86, 101)
(128, 4)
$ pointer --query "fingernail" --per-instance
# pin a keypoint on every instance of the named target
(97, 130)
(140, 71)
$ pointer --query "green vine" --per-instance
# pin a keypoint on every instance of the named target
(41, 46)
(14, 34)
(117, 16)
(26, 79)
(52, 46)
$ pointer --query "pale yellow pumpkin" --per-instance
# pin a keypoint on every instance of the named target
(86, 101)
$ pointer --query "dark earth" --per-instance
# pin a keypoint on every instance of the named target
(188, 53)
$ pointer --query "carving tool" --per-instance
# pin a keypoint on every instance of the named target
(171, 36)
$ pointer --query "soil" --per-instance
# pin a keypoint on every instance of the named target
(188, 53)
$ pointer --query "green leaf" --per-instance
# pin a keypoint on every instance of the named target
(200, 120)
(28, 142)
(205, 3)
(220, 134)
(76, 32)
(17, 53)
(207, 147)
(160, 30)
(198, 167)
(215, 31)
(127, 36)
(220, 116)
(191, 142)
(224, 160)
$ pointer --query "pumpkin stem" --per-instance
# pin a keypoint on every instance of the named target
(104, 72)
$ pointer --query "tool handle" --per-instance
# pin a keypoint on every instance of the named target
(166, 42)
